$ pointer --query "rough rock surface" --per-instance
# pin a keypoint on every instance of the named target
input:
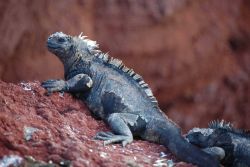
(59, 127)
(194, 54)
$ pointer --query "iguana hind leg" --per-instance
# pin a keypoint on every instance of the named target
(121, 119)
(121, 131)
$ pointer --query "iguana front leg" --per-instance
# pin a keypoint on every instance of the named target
(121, 131)
(78, 83)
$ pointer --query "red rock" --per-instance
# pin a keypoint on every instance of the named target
(194, 54)
(65, 131)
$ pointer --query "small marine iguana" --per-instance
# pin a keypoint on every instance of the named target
(233, 144)
(119, 96)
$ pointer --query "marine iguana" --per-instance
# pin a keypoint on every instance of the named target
(234, 142)
(119, 96)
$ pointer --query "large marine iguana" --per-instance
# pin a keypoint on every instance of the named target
(119, 96)
(234, 143)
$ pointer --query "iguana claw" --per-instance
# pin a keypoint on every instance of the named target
(54, 85)
(110, 138)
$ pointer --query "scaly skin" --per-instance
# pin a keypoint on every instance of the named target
(118, 96)
(234, 143)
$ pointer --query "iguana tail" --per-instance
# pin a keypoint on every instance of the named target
(169, 135)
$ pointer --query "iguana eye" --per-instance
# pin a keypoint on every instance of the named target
(61, 40)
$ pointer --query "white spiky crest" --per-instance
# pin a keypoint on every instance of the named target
(91, 45)
(81, 36)
(220, 124)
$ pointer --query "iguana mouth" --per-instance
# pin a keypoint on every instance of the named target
(51, 45)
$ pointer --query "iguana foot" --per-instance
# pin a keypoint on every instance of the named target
(109, 138)
(54, 85)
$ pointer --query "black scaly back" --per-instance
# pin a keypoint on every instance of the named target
(93, 49)
(130, 72)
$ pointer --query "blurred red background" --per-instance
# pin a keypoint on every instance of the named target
(193, 54)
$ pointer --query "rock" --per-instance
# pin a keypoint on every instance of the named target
(10, 160)
(58, 130)
(28, 132)
(194, 54)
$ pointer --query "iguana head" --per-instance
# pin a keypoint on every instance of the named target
(199, 136)
(60, 44)
(66, 47)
